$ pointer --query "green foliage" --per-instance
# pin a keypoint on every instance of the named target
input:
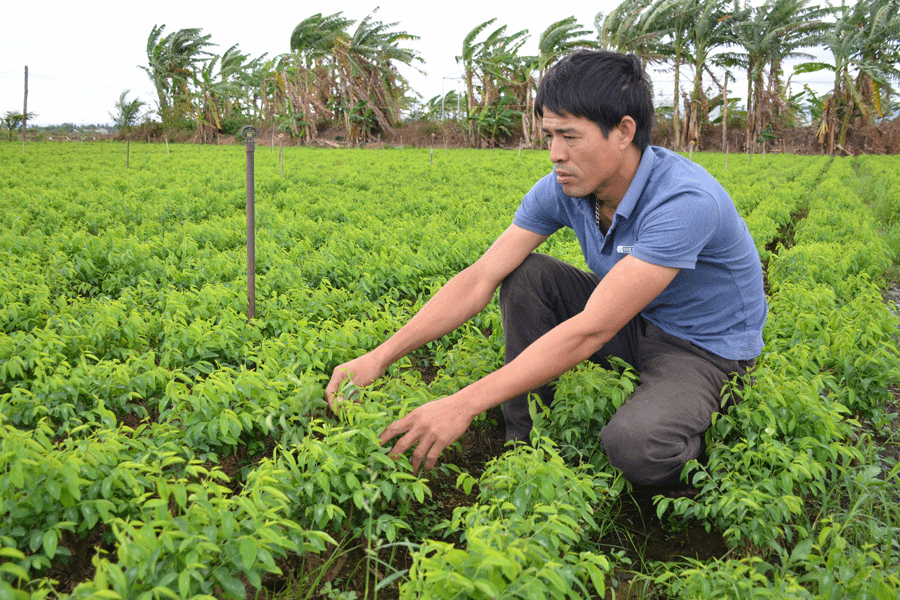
(204, 543)
(14, 119)
(585, 398)
(767, 456)
(784, 474)
(522, 538)
(733, 579)
(341, 480)
(187, 452)
(127, 111)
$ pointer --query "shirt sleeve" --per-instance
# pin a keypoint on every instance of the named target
(675, 232)
(540, 211)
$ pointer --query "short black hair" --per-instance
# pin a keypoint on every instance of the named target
(602, 86)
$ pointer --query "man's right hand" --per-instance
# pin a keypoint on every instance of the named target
(362, 371)
(458, 300)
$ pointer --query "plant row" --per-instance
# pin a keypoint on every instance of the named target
(159, 445)
(787, 461)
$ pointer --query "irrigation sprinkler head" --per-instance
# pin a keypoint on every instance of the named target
(248, 133)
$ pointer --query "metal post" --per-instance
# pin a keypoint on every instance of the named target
(25, 111)
(249, 135)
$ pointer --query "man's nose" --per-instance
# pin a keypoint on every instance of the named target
(556, 151)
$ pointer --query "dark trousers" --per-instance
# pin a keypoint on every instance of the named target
(660, 426)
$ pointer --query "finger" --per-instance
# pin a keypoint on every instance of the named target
(407, 442)
(331, 391)
(418, 455)
(334, 385)
(433, 455)
(393, 430)
(337, 376)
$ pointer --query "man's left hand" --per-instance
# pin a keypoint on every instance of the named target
(431, 428)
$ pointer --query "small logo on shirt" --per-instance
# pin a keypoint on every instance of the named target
(624, 249)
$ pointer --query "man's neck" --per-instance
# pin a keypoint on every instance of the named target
(610, 197)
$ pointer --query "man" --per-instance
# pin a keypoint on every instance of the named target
(676, 289)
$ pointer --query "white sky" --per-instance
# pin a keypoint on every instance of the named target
(82, 55)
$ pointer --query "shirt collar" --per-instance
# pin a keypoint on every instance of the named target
(641, 176)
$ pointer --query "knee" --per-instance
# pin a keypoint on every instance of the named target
(644, 452)
(626, 449)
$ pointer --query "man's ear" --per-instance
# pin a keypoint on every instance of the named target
(627, 129)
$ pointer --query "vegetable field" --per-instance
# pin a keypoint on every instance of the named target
(154, 444)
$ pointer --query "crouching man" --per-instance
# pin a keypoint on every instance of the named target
(675, 286)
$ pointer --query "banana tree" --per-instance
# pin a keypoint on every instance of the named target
(127, 112)
(655, 30)
(221, 86)
(335, 74)
(13, 120)
(467, 58)
(559, 39)
(641, 27)
(172, 63)
(496, 64)
(865, 44)
(710, 28)
(372, 90)
(497, 119)
(307, 77)
(769, 34)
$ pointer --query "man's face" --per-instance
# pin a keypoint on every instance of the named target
(585, 161)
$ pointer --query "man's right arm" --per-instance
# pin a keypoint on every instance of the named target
(461, 298)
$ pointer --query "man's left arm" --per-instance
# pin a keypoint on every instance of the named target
(628, 287)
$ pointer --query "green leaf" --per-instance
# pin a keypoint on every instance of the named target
(661, 506)
(14, 570)
(12, 553)
(53, 489)
(486, 588)
(90, 515)
(232, 585)
(117, 578)
(184, 583)
(163, 591)
(50, 542)
(248, 549)
(265, 557)
(180, 496)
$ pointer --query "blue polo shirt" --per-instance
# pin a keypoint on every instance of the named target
(674, 214)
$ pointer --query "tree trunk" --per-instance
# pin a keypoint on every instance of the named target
(694, 119)
(527, 116)
(751, 109)
(725, 114)
(676, 130)
(470, 105)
